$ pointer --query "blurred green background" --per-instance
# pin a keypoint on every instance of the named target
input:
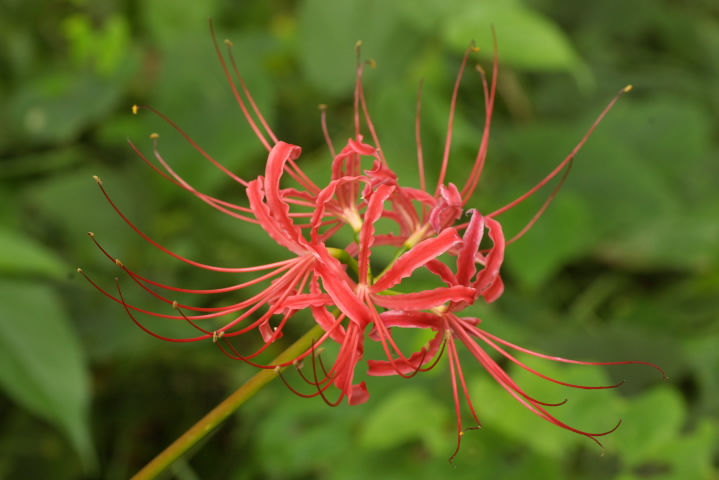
(623, 266)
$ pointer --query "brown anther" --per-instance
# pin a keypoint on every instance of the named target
(154, 136)
(79, 270)
(174, 304)
(90, 234)
(278, 369)
(323, 106)
(358, 44)
(119, 263)
(229, 43)
(217, 335)
(480, 69)
(97, 179)
(135, 109)
(372, 63)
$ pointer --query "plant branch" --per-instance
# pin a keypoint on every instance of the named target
(222, 411)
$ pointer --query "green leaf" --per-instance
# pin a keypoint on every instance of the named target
(589, 410)
(41, 366)
(56, 107)
(21, 254)
(650, 421)
(333, 28)
(526, 38)
(565, 233)
(407, 415)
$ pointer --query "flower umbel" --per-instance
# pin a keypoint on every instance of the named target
(335, 282)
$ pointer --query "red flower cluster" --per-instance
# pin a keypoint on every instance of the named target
(349, 300)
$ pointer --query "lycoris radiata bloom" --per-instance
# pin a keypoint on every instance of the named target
(337, 286)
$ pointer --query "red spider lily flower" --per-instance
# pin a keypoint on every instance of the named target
(337, 285)
(450, 327)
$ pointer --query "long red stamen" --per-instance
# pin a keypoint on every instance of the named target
(236, 92)
(450, 122)
(567, 160)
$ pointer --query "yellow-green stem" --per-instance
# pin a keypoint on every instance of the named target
(222, 411)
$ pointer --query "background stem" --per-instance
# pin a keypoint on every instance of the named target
(220, 413)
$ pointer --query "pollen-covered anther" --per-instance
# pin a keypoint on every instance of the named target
(97, 179)
(79, 270)
(154, 136)
(229, 43)
(372, 63)
(278, 370)
(216, 335)
(174, 304)
(322, 106)
(90, 234)
(475, 48)
(628, 88)
(119, 263)
(135, 109)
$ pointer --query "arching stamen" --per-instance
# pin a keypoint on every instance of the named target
(325, 130)
(567, 160)
(546, 204)
(167, 119)
(146, 237)
(247, 92)
(418, 137)
(450, 122)
(235, 90)
(179, 181)
(147, 330)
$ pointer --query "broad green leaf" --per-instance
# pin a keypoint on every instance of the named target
(41, 365)
(57, 106)
(21, 254)
(526, 38)
(692, 455)
(564, 233)
(104, 47)
(168, 20)
(329, 31)
(649, 422)
(406, 415)
(589, 410)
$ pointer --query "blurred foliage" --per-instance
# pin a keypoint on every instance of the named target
(622, 266)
